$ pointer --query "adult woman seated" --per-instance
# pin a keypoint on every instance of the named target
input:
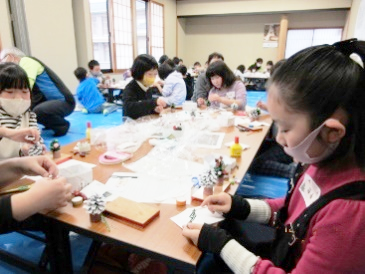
(225, 90)
(138, 99)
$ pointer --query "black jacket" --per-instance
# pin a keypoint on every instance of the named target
(137, 102)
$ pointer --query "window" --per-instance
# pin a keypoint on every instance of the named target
(298, 39)
(141, 21)
(122, 39)
(122, 29)
(100, 33)
(157, 30)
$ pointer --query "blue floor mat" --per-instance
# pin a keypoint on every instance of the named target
(78, 122)
(254, 96)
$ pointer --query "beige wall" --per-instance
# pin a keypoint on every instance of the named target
(239, 38)
(52, 36)
(83, 36)
(352, 18)
(5, 26)
(181, 45)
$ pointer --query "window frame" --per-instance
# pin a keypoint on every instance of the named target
(150, 38)
(313, 29)
(134, 43)
(112, 42)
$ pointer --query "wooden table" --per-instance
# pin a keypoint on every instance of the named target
(161, 239)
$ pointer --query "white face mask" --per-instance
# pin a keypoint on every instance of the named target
(258, 65)
(95, 74)
(299, 152)
(15, 107)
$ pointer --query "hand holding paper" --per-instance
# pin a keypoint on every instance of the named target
(202, 215)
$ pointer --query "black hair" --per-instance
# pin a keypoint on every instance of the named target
(221, 69)
(215, 55)
(92, 64)
(269, 63)
(277, 65)
(259, 60)
(176, 60)
(141, 64)
(13, 76)
(170, 62)
(197, 64)
(241, 68)
(162, 59)
(322, 79)
(80, 73)
(164, 70)
(182, 69)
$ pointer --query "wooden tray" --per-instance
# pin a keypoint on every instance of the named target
(137, 213)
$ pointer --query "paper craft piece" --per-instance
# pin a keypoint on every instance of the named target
(137, 213)
(199, 196)
(212, 140)
(198, 215)
(96, 187)
(78, 175)
(244, 146)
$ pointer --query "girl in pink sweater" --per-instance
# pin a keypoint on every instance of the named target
(316, 98)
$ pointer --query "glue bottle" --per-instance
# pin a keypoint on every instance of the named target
(88, 131)
(236, 148)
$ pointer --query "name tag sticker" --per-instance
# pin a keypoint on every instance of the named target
(309, 190)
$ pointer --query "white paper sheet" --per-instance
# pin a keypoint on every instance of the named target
(66, 164)
(202, 216)
(150, 189)
(212, 140)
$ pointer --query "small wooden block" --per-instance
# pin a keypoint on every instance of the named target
(64, 157)
(137, 213)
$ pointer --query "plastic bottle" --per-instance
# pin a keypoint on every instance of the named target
(236, 148)
(88, 131)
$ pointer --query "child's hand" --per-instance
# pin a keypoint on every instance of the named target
(25, 149)
(214, 97)
(221, 202)
(192, 231)
(201, 102)
(158, 109)
(24, 135)
(50, 194)
(44, 195)
(161, 102)
(261, 105)
(38, 165)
